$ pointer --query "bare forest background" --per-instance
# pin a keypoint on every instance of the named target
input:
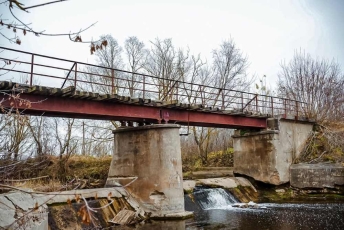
(313, 80)
(318, 82)
(55, 154)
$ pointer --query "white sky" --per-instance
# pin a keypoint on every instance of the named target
(268, 31)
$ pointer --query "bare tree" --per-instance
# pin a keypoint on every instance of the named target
(65, 142)
(40, 131)
(101, 80)
(230, 71)
(203, 137)
(167, 63)
(318, 82)
(136, 57)
(97, 137)
(14, 135)
(63, 128)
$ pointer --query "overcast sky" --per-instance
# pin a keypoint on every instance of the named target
(268, 31)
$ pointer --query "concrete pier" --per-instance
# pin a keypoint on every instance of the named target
(151, 155)
(267, 155)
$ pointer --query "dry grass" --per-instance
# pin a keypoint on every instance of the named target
(76, 172)
(215, 159)
(326, 144)
(48, 185)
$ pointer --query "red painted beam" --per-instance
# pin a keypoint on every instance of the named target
(207, 119)
(105, 110)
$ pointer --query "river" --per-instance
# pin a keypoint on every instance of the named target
(213, 209)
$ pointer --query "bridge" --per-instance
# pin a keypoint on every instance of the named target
(149, 153)
(66, 88)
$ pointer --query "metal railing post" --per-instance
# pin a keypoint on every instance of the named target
(242, 102)
(272, 106)
(31, 76)
(75, 74)
(144, 87)
(257, 103)
(170, 85)
(112, 81)
(177, 90)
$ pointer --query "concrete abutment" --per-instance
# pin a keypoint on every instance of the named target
(150, 155)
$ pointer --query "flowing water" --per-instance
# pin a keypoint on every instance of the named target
(210, 198)
(214, 209)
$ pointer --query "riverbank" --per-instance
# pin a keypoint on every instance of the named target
(85, 172)
(247, 189)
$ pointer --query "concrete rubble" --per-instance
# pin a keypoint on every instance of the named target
(18, 210)
(27, 210)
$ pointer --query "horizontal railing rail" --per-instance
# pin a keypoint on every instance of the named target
(104, 80)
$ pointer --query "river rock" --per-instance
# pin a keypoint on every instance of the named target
(189, 185)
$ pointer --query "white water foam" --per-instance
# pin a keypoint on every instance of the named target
(214, 198)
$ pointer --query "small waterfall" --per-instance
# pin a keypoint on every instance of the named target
(214, 198)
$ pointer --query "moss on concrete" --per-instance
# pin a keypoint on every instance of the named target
(244, 194)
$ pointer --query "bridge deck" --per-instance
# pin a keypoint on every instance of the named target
(180, 102)
(71, 103)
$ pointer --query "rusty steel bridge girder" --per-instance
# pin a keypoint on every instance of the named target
(52, 71)
(57, 106)
(152, 99)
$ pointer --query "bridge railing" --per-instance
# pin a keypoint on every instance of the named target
(36, 69)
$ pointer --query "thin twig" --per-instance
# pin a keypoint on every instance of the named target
(43, 4)
(35, 178)
(318, 157)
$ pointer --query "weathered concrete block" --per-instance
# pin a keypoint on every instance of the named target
(221, 182)
(267, 155)
(22, 200)
(316, 175)
(16, 212)
(211, 172)
(7, 212)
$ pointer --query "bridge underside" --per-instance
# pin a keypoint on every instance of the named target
(99, 109)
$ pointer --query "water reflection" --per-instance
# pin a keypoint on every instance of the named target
(274, 216)
(213, 210)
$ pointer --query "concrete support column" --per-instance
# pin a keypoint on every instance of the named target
(152, 155)
(267, 155)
